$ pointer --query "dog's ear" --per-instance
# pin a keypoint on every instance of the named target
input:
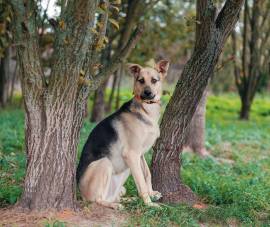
(162, 67)
(134, 69)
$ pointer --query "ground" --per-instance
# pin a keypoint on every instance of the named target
(94, 215)
(234, 182)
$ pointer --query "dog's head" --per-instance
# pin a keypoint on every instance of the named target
(148, 81)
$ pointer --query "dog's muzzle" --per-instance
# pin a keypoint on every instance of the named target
(147, 95)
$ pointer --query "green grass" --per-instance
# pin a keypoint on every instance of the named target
(237, 192)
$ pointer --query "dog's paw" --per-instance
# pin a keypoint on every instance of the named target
(155, 195)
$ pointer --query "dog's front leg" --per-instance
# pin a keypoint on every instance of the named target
(147, 175)
(133, 160)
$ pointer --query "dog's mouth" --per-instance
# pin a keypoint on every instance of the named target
(148, 97)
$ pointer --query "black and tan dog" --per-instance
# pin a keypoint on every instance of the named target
(116, 146)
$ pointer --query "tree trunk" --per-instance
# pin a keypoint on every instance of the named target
(195, 137)
(54, 106)
(51, 145)
(111, 98)
(5, 78)
(256, 33)
(245, 108)
(98, 111)
(133, 14)
(120, 76)
(211, 34)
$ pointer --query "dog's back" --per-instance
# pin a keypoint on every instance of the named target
(98, 143)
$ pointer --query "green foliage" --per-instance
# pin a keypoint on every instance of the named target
(12, 157)
(234, 183)
(173, 23)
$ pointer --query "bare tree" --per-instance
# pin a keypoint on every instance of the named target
(211, 34)
(54, 106)
(255, 52)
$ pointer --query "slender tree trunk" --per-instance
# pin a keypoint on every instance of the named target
(111, 97)
(98, 111)
(5, 78)
(211, 34)
(195, 137)
(133, 14)
(245, 108)
(14, 79)
(120, 76)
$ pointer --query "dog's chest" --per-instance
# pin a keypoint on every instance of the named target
(151, 134)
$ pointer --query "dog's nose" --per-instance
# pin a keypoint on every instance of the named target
(147, 92)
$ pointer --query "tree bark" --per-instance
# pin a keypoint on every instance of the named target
(211, 34)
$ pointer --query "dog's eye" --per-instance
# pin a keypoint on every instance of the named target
(154, 80)
(141, 81)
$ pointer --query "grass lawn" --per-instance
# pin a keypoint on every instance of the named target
(235, 183)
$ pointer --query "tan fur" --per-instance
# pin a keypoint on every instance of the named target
(103, 180)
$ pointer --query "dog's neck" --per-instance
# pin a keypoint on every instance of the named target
(149, 108)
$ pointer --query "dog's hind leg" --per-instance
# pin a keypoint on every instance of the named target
(116, 187)
(95, 183)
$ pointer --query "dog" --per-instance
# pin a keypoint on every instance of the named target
(116, 146)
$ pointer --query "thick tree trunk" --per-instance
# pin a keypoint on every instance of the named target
(211, 34)
(55, 106)
(51, 157)
(195, 137)
(54, 109)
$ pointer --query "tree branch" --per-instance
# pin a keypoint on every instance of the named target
(228, 16)
(118, 59)
(205, 18)
(28, 50)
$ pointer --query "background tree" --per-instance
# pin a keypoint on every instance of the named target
(6, 70)
(254, 63)
(195, 133)
(211, 34)
(55, 105)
